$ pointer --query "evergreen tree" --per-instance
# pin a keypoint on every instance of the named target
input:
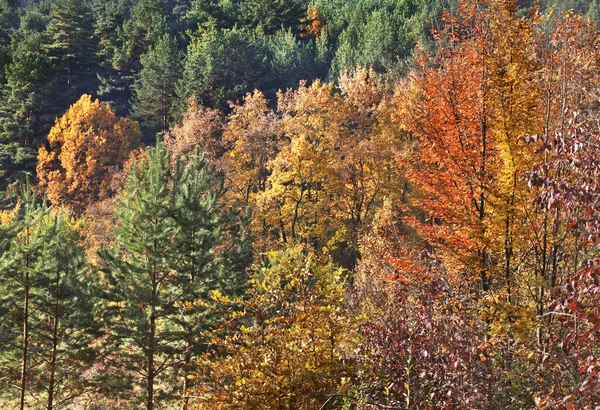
(9, 20)
(109, 17)
(272, 15)
(72, 48)
(380, 35)
(5, 57)
(147, 24)
(222, 65)
(223, 14)
(144, 27)
(64, 325)
(46, 306)
(25, 113)
(166, 259)
(290, 60)
(594, 12)
(31, 34)
(155, 86)
(19, 266)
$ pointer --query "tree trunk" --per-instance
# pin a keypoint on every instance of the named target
(24, 357)
(51, 380)
(52, 376)
(25, 343)
(150, 358)
(187, 363)
(151, 337)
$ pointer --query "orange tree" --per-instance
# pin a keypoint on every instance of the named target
(466, 107)
(85, 146)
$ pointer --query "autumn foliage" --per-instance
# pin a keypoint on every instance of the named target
(287, 345)
(84, 148)
(430, 241)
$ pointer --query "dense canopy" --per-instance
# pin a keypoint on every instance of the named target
(299, 204)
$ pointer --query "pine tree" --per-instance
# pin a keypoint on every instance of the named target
(109, 17)
(64, 303)
(272, 15)
(9, 20)
(19, 265)
(72, 49)
(155, 86)
(25, 113)
(147, 24)
(594, 11)
(46, 305)
(203, 11)
(166, 260)
(221, 65)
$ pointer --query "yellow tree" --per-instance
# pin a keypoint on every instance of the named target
(336, 159)
(85, 146)
(295, 204)
(286, 346)
(363, 155)
(250, 137)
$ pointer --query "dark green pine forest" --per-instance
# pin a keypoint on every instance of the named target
(299, 204)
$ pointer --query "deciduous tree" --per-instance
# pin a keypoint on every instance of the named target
(286, 344)
(84, 147)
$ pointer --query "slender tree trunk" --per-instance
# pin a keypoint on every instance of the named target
(51, 380)
(150, 358)
(25, 343)
(52, 376)
(187, 363)
(24, 357)
(151, 337)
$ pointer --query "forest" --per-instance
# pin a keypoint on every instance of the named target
(299, 204)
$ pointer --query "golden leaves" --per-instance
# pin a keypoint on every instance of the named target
(85, 146)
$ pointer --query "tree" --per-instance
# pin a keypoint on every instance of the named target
(286, 344)
(25, 113)
(221, 65)
(565, 199)
(200, 128)
(9, 21)
(224, 14)
(466, 106)
(414, 326)
(335, 160)
(71, 47)
(272, 15)
(20, 266)
(290, 61)
(167, 257)
(84, 146)
(379, 35)
(44, 290)
(154, 90)
(109, 18)
(147, 24)
(250, 138)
